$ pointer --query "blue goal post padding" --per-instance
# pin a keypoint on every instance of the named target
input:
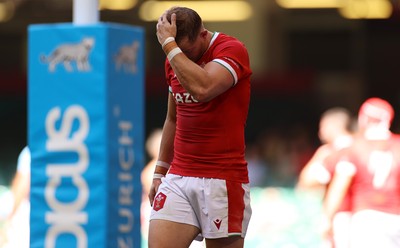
(86, 134)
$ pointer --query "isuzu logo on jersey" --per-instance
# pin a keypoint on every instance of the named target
(184, 97)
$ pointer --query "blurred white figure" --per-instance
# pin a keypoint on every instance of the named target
(6, 206)
(258, 170)
(152, 147)
(17, 224)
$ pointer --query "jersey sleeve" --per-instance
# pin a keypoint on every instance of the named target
(234, 57)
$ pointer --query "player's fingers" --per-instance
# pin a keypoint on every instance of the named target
(153, 190)
(173, 19)
(151, 197)
(164, 17)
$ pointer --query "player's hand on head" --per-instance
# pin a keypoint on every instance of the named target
(165, 28)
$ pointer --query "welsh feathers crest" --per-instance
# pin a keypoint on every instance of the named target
(126, 58)
(69, 53)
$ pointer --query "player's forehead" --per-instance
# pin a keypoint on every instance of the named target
(186, 44)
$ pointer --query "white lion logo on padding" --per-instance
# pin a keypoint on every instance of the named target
(68, 53)
(126, 58)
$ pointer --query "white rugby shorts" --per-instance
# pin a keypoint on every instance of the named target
(372, 229)
(341, 229)
(219, 208)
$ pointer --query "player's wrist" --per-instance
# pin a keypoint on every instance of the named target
(167, 40)
(171, 49)
(169, 46)
(158, 176)
(163, 164)
(161, 168)
(173, 53)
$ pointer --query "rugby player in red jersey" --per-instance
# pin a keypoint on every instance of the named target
(335, 132)
(206, 192)
(369, 172)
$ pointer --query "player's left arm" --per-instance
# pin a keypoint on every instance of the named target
(334, 197)
(314, 170)
(338, 188)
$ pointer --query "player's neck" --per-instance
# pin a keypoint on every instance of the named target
(208, 38)
(207, 42)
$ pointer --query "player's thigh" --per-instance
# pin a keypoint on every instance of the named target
(169, 234)
(229, 242)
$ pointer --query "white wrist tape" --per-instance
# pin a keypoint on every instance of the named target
(173, 53)
(167, 40)
(158, 176)
(163, 164)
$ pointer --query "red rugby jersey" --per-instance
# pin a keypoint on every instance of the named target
(376, 183)
(209, 139)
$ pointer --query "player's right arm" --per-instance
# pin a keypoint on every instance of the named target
(314, 174)
(203, 83)
(166, 153)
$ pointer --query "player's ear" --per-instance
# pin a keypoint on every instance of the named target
(203, 33)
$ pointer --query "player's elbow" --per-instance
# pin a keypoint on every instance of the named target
(201, 98)
(202, 95)
(205, 94)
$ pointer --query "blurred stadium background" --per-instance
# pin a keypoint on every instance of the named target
(307, 56)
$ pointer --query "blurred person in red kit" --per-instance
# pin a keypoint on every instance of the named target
(335, 133)
(368, 172)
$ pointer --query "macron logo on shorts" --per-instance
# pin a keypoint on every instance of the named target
(217, 223)
(159, 201)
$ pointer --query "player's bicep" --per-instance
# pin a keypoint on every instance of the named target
(222, 78)
(335, 194)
